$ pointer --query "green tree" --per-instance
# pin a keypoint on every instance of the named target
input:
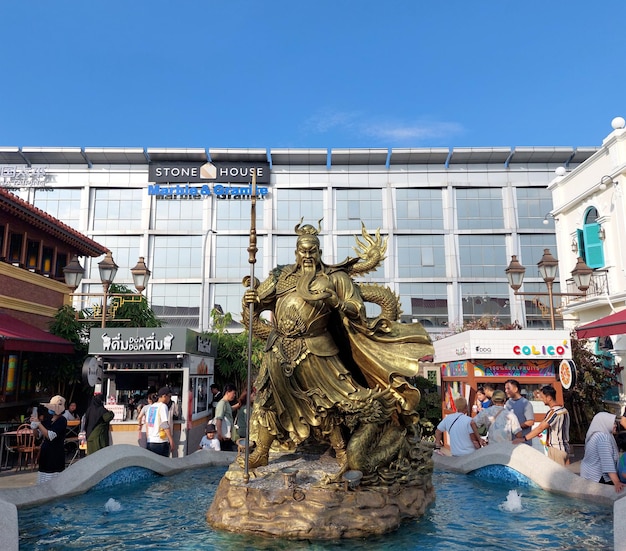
(232, 352)
(593, 380)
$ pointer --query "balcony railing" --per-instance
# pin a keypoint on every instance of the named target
(598, 286)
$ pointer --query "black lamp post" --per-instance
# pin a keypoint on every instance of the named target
(548, 266)
(73, 274)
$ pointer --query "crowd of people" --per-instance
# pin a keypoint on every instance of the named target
(508, 416)
(499, 416)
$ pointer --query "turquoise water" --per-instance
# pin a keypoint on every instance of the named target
(169, 513)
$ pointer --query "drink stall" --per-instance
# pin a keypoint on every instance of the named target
(129, 363)
(534, 358)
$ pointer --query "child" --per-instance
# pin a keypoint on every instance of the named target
(209, 440)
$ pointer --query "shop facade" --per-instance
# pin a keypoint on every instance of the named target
(128, 363)
(534, 358)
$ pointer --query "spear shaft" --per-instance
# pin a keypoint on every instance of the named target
(252, 250)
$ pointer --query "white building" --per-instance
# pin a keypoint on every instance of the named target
(590, 215)
(453, 218)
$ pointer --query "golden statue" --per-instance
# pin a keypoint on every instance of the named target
(330, 375)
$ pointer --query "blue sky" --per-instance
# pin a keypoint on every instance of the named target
(323, 73)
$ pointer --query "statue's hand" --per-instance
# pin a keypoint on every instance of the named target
(250, 297)
(333, 299)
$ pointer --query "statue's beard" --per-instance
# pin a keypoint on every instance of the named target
(303, 287)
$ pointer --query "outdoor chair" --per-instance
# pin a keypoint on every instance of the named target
(27, 450)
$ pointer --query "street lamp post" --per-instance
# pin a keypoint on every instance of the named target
(548, 266)
(74, 272)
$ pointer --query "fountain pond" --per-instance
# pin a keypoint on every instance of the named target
(494, 507)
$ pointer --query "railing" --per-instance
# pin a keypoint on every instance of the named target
(598, 286)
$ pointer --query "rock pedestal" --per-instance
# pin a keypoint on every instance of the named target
(309, 505)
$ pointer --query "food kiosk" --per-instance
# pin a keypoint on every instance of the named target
(128, 363)
(534, 358)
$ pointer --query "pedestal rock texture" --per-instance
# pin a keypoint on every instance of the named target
(270, 505)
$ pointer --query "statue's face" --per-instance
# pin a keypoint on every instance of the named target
(308, 253)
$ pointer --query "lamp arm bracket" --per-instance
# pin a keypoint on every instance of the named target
(553, 294)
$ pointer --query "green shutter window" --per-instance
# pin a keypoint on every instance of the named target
(594, 252)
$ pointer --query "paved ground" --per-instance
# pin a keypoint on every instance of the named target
(9, 478)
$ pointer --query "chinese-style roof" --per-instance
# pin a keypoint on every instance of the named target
(11, 203)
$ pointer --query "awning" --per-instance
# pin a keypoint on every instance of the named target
(615, 324)
(17, 336)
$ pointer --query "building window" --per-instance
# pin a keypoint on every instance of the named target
(353, 206)
(15, 248)
(117, 209)
(531, 250)
(479, 208)
(176, 304)
(419, 209)
(426, 303)
(486, 300)
(294, 204)
(32, 254)
(590, 246)
(60, 264)
(532, 206)
(234, 214)
(231, 257)
(63, 204)
(228, 296)
(538, 308)
(177, 256)
(125, 251)
(46, 260)
(421, 256)
(178, 214)
(482, 256)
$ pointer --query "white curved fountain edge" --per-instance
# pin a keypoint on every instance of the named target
(546, 474)
(87, 472)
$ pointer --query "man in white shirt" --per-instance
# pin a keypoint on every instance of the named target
(519, 405)
(463, 437)
(158, 430)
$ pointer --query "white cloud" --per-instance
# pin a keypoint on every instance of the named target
(356, 124)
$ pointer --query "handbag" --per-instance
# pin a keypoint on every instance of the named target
(226, 426)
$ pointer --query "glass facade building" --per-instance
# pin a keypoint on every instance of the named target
(452, 219)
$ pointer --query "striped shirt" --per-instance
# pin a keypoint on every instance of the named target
(600, 457)
(558, 433)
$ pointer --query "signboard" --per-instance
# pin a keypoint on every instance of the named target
(145, 341)
(18, 177)
(498, 368)
(567, 374)
(119, 412)
(185, 191)
(504, 345)
(209, 172)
